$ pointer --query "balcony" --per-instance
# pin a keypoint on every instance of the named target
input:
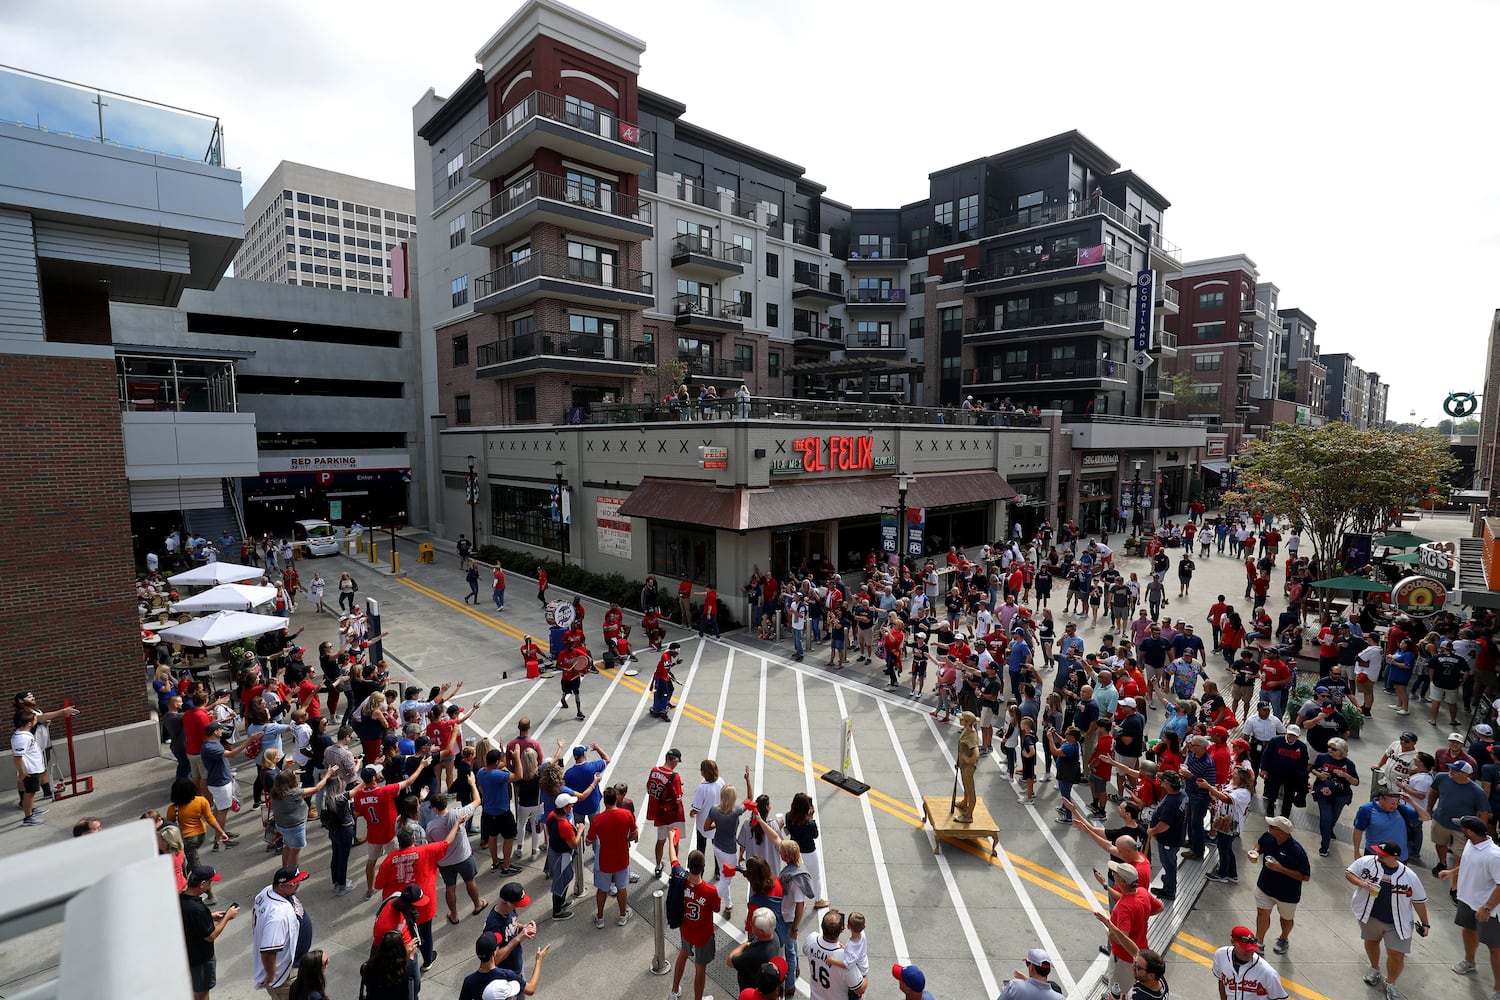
(1246, 370)
(568, 279)
(1058, 268)
(565, 203)
(875, 298)
(1168, 254)
(1064, 370)
(1046, 215)
(699, 312)
(1253, 307)
(180, 418)
(885, 254)
(1080, 317)
(883, 344)
(817, 287)
(1165, 345)
(546, 120)
(1157, 389)
(708, 258)
(1247, 334)
(1168, 297)
(715, 370)
(562, 351)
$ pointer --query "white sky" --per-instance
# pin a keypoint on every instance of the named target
(1316, 137)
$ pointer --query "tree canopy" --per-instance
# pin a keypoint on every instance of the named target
(1337, 479)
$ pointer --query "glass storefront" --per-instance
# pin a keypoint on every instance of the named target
(680, 552)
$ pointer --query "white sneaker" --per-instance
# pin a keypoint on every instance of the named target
(622, 921)
(1372, 976)
(599, 922)
(674, 995)
(1391, 993)
(1463, 968)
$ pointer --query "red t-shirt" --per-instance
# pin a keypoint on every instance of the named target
(611, 830)
(499, 578)
(307, 695)
(711, 602)
(685, 589)
(1131, 913)
(699, 904)
(416, 865)
(440, 732)
(390, 918)
(377, 805)
(1223, 762)
(1274, 674)
(541, 579)
(194, 721)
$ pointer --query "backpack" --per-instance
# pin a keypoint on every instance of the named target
(253, 746)
(676, 903)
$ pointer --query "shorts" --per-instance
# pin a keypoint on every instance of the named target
(222, 796)
(205, 977)
(987, 717)
(293, 836)
(1134, 763)
(919, 668)
(1097, 785)
(195, 767)
(374, 851)
(620, 880)
(32, 784)
(1442, 836)
(572, 686)
(702, 954)
(1364, 685)
(836, 643)
(1379, 930)
(1447, 696)
(502, 825)
(663, 832)
(866, 636)
(1489, 932)
(464, 871)
(1283, 909)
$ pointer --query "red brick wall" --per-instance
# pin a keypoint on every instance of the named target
(65, 558)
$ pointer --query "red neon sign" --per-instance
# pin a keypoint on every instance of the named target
(845, 454)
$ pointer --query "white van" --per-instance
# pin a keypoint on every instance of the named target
(316, 538)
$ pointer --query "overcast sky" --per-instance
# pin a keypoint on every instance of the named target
(1317, 138)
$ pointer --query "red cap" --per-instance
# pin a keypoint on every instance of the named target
(1218, 731)
(1245, 938)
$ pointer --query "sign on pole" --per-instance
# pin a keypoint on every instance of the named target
(1142, 360)
(916, 531)
(888, 531)
(1145, 302)
(844, 777)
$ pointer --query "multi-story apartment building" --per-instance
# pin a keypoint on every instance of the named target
(1300, 362)
(93, 431)
(1348, 389)
(1376, 392)
(324, 229)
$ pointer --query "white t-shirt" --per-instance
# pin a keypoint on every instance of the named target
(857, 954)
(1255, 980)
(25, 746)
(276, 928)
(1478, 873)
(704, 799)
(1368, 667)
(1263, 729)
(828, 982)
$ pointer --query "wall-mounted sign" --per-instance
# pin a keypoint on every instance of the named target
(1215, 449)
(291, 461)
(713, 458)
(614, 531)
(1101, 458)
(835, 453)
(1419, 596)
(1437, 562)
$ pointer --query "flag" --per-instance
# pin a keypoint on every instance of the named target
(1091, 255)
(630, 133)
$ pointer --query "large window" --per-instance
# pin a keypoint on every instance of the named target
(951, 320)
(942, 213)
(459, 290)
(457, 230)
(773, 364)
(462, 411)
(684, 553)
(773, 314)
(525, 514)
(1209, 331)
(460, 350)
(1208, 362)
(968, 214)
(916, 327)
(455, 171)
(744, 359)
(525, 402)
(591, 263)
(1210, 300)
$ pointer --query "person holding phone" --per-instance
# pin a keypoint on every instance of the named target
(201, 928)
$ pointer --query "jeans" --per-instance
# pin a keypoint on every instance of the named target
(1065, 795)
(1197, 810)
(708, 621)
(184, 769)
(474, 591)
(499, 595)
(1329, 810)
(1284, 788)
(424, 932)
(342, 842)
(797, 642)
(1010, 758)
(1166, 858)
(817, 628)
(1228, 863)
(1277, 699)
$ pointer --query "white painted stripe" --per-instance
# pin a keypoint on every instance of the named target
(986, 975)
(606, 778)
(666, 743)
(807, 774)
(598, 710)
(488, 694)
(760, 731)
(713, 743)
(537, 684)
(877, 855)
(1043, 936)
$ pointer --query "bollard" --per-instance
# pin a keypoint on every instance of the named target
(578, 867)
(659, 964)
(395, 562)
(374, 553)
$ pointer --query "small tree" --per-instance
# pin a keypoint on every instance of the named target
(1286, 386)
(667, 373)
(1336, 479)
(1187, 392)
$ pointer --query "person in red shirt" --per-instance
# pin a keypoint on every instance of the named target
(614, 624)
(700, 901)
(307, 697)
(710, 616)
(194, 721)
(574, 662)
(651, 624)
(516, 747)
(662, 686)
(611, 832)
(664, 801)
(399, 913)
(446, 733)
(497, 588)
(414, 864)
(376, 804)
(1223, 756)
(541, 585)
(893, 640)
(1216, 612)
(1275, 679)
(1127, 920)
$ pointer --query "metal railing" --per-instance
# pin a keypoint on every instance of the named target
(805, 235)
(857, 341)
(556, 265)
(833, 283)
(875, 296)
(1166, 339)
(587, 119)
(564, 344)
(714, 367)
(558, 188)
(184, 385)
(1042, 215)
(1113, 418)
(703, 246)
(692, 192)
(1055, 369)
(1078, 312)
(686, 306)
(1070, 257)
(1165, 245)
(885, 250)
(782, 410)
(1254, 306)
(1247, 335)
(1166, 293)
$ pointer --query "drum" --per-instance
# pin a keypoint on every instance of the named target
(560, 614)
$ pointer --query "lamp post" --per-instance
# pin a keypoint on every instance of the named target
(1135, 502)
(903, 483)
(473, 504)
(562, 522)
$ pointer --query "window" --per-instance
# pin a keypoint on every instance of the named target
(1209, 331)
(773, 265)
(951, 320)
(525, 402)
(916, 327)
(1208, 362)
(457, 230)
(524, 513)
(942, 213)
(591, 263)
(455, 172)
(918, 283)
(835, 328)
(304, 198)
(461, 412)
(870, 333)
(683, 553)
(805, 321)
(1210, 300)
(747, 304)
(581, 114)
(953, 270)
(920, 240)
(744, 248)
(953, 366)
(968, 214)
(773, 364)
(773, 315)
(1029, 200)
(1210, 393)
(460, 350)
(460, 290)
(286, 195)
(744, 359)
(588, 190)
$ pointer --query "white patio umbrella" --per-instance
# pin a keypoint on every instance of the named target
(221, 627)
(227, 597)
(212, 574)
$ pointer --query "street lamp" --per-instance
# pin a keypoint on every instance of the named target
(473, 504)
(1135, 502)
(903, 483)
(562, 523)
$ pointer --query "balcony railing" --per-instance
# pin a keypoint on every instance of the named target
(805, 235)
(858, 341)
(1071, 257)
(556, 265)
(1247, 335)
(564, 344)
(714, 368)
(782, 410)
(549, 106)
(688, 305)
(1061, 369)
(1166, 339)
(882, 251)
(875, 296)
(1165, 245)
(184, 385)
(703, 246)
(1166, 293)
(1078, 312)
(832, 283)
(1042, 215)
(557, 188)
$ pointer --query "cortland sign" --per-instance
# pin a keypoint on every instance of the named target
(835, 453)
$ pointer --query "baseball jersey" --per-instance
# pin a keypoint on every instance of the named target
(829, 982)
(1254, 980)
(664, 796)
(699, 904)
(415, 865)
(377, 804)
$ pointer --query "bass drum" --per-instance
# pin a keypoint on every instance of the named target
(560, 614)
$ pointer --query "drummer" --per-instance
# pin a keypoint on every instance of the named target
(574, 662)
(651, 624)
(614, 624)
(661, 682)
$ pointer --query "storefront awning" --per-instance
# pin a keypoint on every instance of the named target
(744, 509)
(1218, 467)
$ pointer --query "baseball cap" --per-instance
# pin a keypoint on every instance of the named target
(1294, 730)
(564, 800)
(485, 946)
(1280, 823)
(580, 751)
(288, 874)
(368, 773)
(501, 989)
(1125, 873)
(909, 976)
(1320, 690)
(1387, 849)
(411, 894)
(1461, 765)
(1245, 938)
(1128, 702)
(515, 894)
(454, 709)
(213, 729)
(1473, 824)
(1483, 729)
(1038, 958)
(674, 754)
(1264, 704)
(1455, 738)
(298, 650)
(202, 874)
(1409, 736)
(1218, 731)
